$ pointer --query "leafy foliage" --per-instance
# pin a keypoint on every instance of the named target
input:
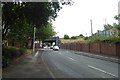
(81, 35)
(19, 20)
(108, 26)
(104, 39)
(45, 32)
(74, 37)
(117, 17)
(66, 36)
(9, 53)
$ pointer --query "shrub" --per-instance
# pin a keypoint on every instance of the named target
(5, 62)
(86, 38)
(9, 53)
(66, 36)
(81, 35)
(74, 37)
(22, 51)
(14, 52)
(5, 52)
(104, 39)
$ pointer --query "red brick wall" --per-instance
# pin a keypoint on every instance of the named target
(118, 50)
(85, 47)
(109, 49)
(74, 46)
(95, 47)
(79, 47)
(98, 48)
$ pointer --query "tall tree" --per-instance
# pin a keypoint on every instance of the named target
(45, 32)
(108, 26)
(37, 14)
(66, 36)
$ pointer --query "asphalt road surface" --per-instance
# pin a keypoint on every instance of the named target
(64, 64)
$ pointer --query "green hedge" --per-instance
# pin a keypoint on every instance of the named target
(5, 61)
(104, 39)
(74, 37)
(9, 53)
(22, 51)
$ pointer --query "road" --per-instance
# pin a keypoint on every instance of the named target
(65, 64)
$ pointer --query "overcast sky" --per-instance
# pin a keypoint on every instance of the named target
(74, 20)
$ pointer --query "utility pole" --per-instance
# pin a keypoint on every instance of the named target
(91, 27)
(105, 21)
(34, 40)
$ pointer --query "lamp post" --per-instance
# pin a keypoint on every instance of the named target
(34, 40)
(91, 27)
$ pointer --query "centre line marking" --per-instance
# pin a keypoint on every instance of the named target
(101, 70)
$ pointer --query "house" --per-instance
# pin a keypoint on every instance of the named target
(108, 33)
(114, 31)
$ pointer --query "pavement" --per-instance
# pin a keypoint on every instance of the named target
(30, 66)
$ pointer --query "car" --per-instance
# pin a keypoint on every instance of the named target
(55, 48)
(51, 47)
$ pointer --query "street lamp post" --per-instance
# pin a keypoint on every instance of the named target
(91, 27)
(34, 40)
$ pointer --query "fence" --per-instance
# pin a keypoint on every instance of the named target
(95, 48)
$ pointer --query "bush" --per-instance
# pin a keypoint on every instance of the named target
(86, 38)
(5, 62)
(9, 53)
(74, 37)
(104, 39)
(22, 51)
(81, 35)
(14, 52)
(66, 36)
(5, 52)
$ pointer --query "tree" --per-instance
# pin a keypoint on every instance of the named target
(66, 2)
(117, 17)
(74, 37)
(108, 26)
(81, 35)
(45, 32)
(114, 25)
(18, 20)
(66, 36)
(117, 26)
(20, 33)
(36, 14)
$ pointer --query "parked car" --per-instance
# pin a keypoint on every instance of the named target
(55, 48)
(51, 47)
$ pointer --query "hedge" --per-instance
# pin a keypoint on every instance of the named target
(9, 53)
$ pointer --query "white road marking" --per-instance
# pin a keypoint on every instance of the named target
(59, 53)
(101, 70)
(48, 68)
(115, 58)
(71, 58)
(106, 57)
(36, 54)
